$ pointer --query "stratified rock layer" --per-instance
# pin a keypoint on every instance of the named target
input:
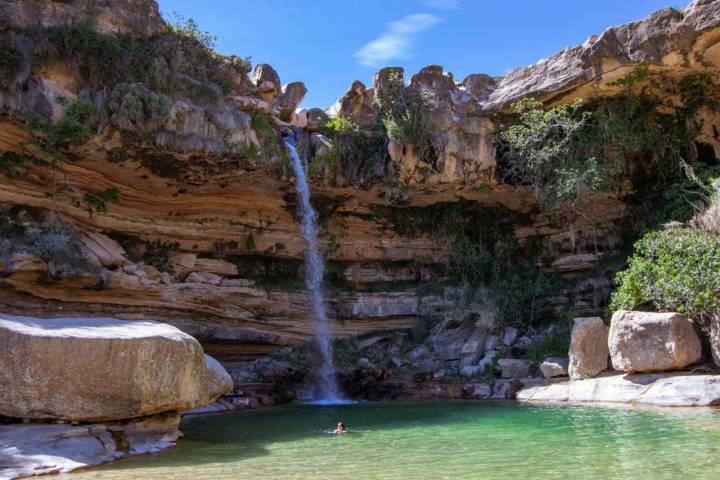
(652, 342)
(102, 369)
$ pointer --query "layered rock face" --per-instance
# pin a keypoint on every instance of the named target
(202, 232)
(102, 369)
(652, 342)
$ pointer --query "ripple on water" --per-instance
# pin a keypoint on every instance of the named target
(437, 440)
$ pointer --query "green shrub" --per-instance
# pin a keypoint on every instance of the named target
(157, 253)
(187, 27)
(340, 125)
(555, 344)
(547, 150)
(569, 152)
(14, 164)
(404, 116)
(98, 203)
(135, 108)
(677, 269)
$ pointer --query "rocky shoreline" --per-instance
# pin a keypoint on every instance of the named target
(79, 392)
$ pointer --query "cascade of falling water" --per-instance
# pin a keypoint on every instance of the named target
(328, 390)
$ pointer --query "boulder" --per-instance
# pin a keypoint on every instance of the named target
(102, 249)
(491, 343)
(509, 336)
(183, 263)
(588, 348)
(471, 371)
(652, 342)
(204, 277)
(267, 81)
(356, 104)
(513, 367)
(554, 367)
(714, 338)
(292, 95)
(217, 267)
(100, 369)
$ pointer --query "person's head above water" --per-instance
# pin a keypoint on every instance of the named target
(340, 428)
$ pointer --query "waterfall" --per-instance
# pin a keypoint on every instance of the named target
(328, 390)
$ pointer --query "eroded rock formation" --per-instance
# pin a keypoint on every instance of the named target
(178, 205)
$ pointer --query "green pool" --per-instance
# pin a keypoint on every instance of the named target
(438, 440)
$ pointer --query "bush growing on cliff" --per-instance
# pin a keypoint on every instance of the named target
(404, 115)
(135, 108)
(677, 269)
(547, 149)
(355, 155)
(181, 60)
(98, 203)
(569, 152)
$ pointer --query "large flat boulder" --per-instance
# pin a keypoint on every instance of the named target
(99, 369)
(588, 348)
(656, 389)
(652, 342)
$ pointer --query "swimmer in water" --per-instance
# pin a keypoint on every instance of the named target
(339, 429)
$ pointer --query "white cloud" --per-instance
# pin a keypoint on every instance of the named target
(396, 42)
(442, 4)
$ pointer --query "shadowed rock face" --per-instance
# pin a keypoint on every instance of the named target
(102, 369)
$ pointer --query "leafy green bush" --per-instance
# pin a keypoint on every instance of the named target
(98, 203)
(677, 269)
(568, 152)
(555, 344)
(340, 125)
(74, 128)
(404, 115)
(135, 108)
(547, 149)
(355, 156)
(189, 28)
(14, 164)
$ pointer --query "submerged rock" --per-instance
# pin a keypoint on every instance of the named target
(652, 342)
(588, 348)
(99, 369)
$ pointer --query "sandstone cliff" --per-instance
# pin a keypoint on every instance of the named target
(179, 205)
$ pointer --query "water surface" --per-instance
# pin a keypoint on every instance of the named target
(437, 440)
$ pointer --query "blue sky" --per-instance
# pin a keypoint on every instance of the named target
(329, 43)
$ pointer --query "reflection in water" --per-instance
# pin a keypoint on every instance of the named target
(438, 440)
